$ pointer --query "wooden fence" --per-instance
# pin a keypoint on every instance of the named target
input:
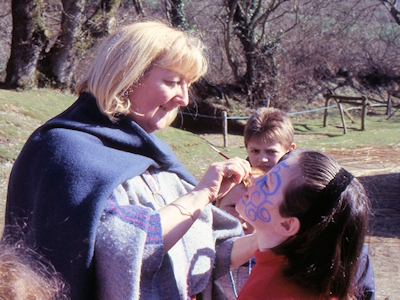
(390, 102)
(364, 103)
(360, 102)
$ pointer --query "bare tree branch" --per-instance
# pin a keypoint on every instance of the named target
(137, 4)
(231, 9)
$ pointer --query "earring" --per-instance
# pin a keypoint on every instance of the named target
(128, 91)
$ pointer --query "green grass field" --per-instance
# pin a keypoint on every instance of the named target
(22, 112)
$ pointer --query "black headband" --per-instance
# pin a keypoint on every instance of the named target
(338, 184)
(328, 199)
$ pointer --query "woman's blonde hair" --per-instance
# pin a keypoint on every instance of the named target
(130, 52)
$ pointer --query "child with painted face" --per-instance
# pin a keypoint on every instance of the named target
(268, 135)
(311, 219)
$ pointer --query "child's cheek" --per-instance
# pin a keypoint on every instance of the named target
(257, 207)
(264, 212)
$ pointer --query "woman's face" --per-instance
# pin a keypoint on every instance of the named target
(157, 97)
(260, 204)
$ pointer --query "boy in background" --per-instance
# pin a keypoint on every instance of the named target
(268, 135)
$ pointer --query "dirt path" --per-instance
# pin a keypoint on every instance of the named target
(379, 170)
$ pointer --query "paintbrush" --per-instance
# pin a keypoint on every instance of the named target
(219, 152)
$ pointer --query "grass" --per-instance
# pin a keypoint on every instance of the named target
(381, 131)
(194, 151)
(22, 112)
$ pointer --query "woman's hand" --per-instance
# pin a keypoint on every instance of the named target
(222, 176)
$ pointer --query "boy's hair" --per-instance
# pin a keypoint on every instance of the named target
(269, 124)
(130, 52)
(27, 275)
(333, 210)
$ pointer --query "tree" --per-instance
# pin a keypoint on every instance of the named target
(248, 21)
(392, 8)
(175, 10)
(58, 64)
(352, 38)
(138, 7)
(256, 48)
(50, 37)
(28, 40)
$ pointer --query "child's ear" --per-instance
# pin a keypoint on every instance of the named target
(292, 147)
(288, 226)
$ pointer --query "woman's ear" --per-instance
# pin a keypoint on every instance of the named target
(288, 226)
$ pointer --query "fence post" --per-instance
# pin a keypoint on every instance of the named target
(364, 112)
(389, 105)
(342, 117)
(326, 109)
(225, 128)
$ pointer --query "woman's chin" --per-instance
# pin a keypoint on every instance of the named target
(159, 125)
(171, 116)
(164, 120)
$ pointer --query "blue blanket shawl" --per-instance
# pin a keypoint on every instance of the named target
(63, 176)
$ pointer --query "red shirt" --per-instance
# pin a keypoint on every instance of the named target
(267, 282)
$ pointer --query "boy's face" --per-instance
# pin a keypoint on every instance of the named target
(265, 155)
(260, 204)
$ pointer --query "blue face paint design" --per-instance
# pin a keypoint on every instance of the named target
(260, 211)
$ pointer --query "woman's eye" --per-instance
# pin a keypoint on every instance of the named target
(171, 83)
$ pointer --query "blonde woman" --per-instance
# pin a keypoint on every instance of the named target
(107, 201)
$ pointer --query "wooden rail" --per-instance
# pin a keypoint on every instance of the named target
(358, 101)
(339, 100)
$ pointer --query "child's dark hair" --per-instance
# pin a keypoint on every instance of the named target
(333, 210)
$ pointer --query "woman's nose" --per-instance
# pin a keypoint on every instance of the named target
(182, 97)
